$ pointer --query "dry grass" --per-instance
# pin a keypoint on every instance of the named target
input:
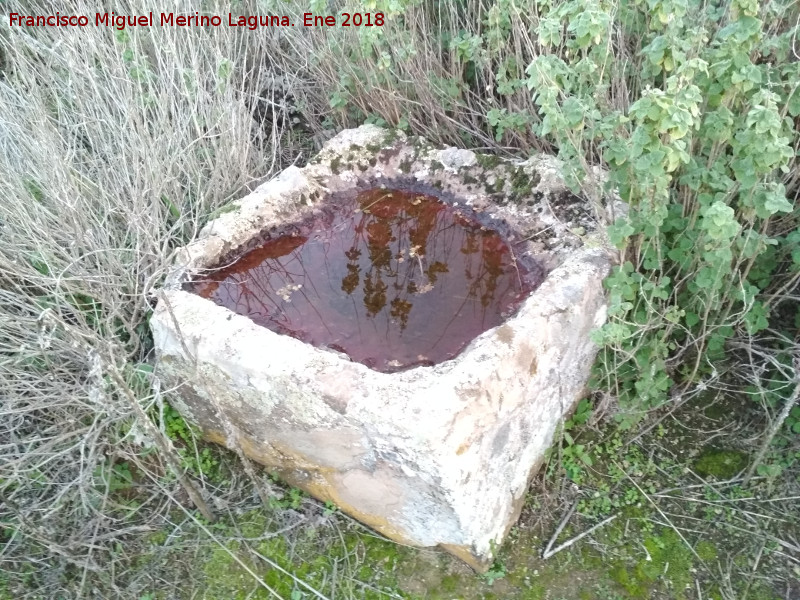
(428, 71)
(114, 147)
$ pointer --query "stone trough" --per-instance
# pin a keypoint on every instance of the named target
(425, 436)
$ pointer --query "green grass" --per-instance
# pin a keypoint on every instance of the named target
(675, 532)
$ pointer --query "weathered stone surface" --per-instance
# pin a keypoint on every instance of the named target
(438, 455)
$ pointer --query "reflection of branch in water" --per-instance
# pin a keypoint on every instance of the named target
(414, 253)
(491, 265)
(261, 286)
(436, 268)
(309, 301)
(374, 293)
(417, 226)
(385, 196)
(350, 281)
(389, 225)
(400, 310)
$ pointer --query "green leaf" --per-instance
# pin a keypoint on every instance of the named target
(573, 112)
(619, 232)
(549, 31)
(756, 318)
(719, 222)
(794, 103)
(706, 278)
(776, 201)
(224, 70)
(691, 319)
(173, 209)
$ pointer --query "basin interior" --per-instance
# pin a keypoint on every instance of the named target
(391, 276)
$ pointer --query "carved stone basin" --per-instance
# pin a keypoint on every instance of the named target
(394, 328)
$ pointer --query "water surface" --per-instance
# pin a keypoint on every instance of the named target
(393, 278)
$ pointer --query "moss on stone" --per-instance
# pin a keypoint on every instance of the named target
(633, 587)
(722, 464)
(336, 164)
(405, 165)
(449, 584)
(669, 557)
(228, 208)
(420, 145)
(497, 186)
(468, 178)
(488, 161)
(391, 137)
(522, 183)
(706, 550)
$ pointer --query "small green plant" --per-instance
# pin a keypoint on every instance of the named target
(581, 416)
(293, 498)
(113, 477)
(502, 121)
(176, 427)
(574, 456)
(495, 572)
(793, 420)
(199, 458)
(574, 459)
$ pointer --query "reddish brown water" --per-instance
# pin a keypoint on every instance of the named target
(392, 278)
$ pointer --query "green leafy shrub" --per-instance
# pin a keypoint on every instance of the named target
(702, 158)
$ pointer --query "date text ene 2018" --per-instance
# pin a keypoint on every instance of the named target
(347, 20)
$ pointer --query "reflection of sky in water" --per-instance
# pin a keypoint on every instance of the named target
(404, 280)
